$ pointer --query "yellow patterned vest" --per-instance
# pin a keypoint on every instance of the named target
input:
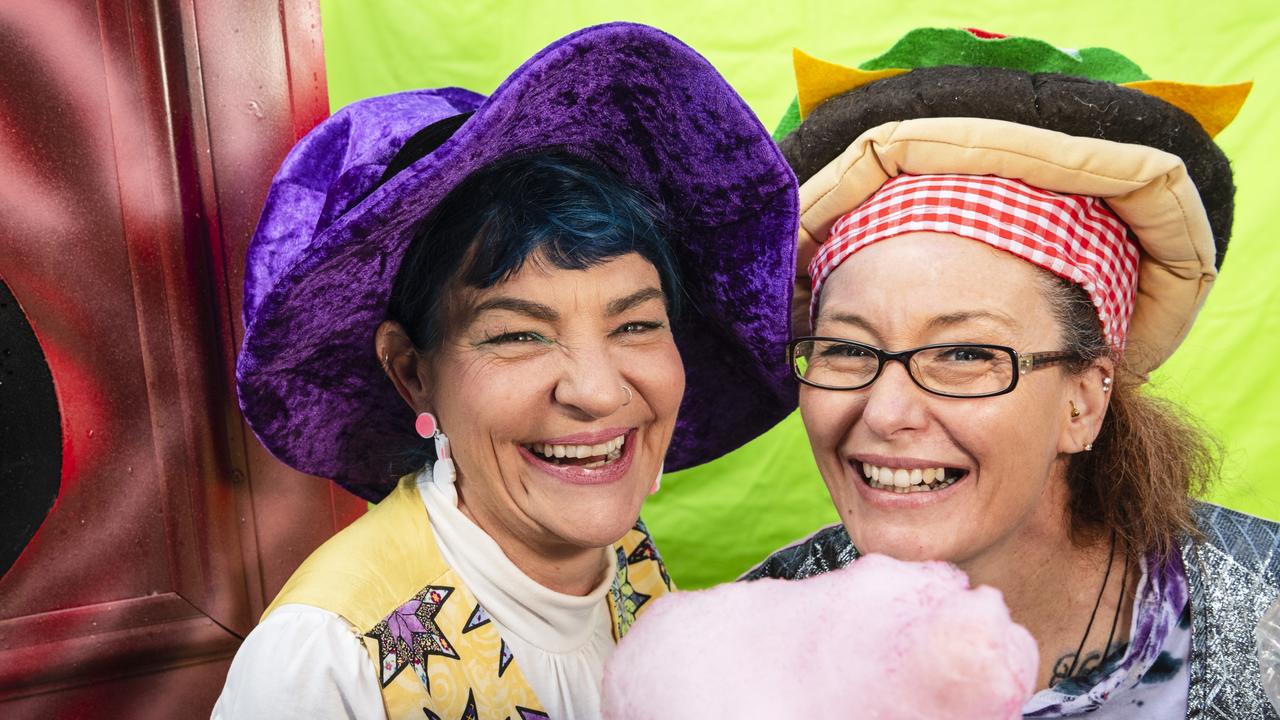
(385, 576)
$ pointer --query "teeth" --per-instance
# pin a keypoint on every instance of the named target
(611, 449)
(902, 480)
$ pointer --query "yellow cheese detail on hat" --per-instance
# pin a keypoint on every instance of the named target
(1213, 106)
(818, 80)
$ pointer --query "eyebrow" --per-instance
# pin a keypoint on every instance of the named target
(939, 321)
(537, 311)
(623, 304)
(855, 320)
(958, 318)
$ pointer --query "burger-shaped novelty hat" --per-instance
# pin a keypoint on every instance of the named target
(1084, 135)
(334, 230)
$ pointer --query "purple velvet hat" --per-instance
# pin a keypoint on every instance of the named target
(329, 244)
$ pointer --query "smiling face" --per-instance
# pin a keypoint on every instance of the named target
(553, 452)
(1005, 454)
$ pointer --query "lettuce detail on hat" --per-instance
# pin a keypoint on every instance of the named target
(1213, 106)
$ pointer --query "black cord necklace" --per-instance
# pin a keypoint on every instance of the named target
(1111, 557)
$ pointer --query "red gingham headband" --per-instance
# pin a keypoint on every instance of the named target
(1075, 237)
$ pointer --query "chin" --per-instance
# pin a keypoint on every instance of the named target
(900, 543)
(597, 534)
(596, 524)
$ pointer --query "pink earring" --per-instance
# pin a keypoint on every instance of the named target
(426, 425)
(442, 471)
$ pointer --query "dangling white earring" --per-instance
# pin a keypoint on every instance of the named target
(443, 472)
(657, 482)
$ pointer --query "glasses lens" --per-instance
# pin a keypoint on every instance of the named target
(834, 363)
(964, 369)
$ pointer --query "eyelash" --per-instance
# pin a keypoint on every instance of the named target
(640, 326)
(631, 328)
(515, 337)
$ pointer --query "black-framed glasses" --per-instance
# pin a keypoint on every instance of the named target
(962, 370)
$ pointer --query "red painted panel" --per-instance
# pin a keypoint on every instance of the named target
(138, 139)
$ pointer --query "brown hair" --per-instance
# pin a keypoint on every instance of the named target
(1150, 458)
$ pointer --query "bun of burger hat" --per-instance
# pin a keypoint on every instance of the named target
(1082, 122)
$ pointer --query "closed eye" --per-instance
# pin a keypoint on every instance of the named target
(965, 354)
(515, 338)
(843, 350)
(638, 327)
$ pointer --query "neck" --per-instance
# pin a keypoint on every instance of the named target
(1051, 585)
(558, 566)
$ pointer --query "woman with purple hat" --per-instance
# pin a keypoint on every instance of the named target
(521, 306)
(1002, 240)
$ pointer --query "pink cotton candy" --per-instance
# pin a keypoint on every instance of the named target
(880, 639)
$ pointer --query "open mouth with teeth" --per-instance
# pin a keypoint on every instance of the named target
(583, 456)
(901, 480)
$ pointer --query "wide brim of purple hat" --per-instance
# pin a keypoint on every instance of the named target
(327, 248)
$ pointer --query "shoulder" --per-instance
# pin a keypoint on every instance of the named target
(1233, 575)
(1249, 541)
(823, 551)
(374, 565)
(301, 661)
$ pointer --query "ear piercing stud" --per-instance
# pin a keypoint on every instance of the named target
(1075, 411)
(1106, 384)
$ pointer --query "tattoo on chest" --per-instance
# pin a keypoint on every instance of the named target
(1090, 667)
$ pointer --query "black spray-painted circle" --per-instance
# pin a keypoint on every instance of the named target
(30, 432)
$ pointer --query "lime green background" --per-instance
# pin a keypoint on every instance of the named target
(715, 521)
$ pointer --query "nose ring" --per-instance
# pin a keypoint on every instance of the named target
(628, 391)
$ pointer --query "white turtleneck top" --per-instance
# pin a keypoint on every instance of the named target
(560, 642)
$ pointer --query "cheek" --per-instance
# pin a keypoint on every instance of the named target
(828, 416)
(660, 373)
(1013, 445)
(478, 400)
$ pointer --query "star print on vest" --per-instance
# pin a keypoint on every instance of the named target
(478, 618)
(504, 658)
(527, 714)
(409, 635)
(646, 550)
(626, 600)
(468, 713)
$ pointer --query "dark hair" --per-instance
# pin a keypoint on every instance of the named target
(1149, 459)
(572, 212)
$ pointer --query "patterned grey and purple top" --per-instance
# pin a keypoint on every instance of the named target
(1207, 666)
(1149, 679)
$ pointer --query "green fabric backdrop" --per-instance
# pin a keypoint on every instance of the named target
(715, 521)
